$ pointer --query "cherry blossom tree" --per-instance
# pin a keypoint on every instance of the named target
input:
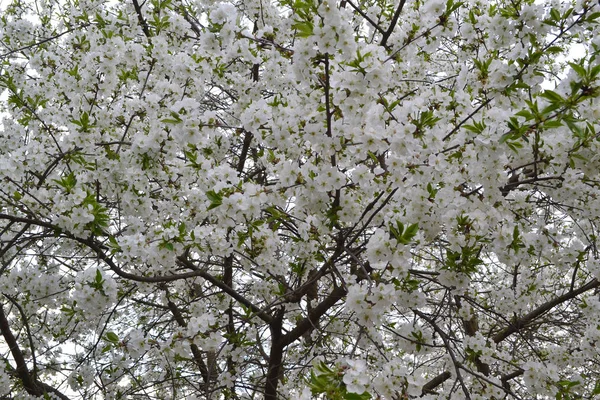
(296, 199)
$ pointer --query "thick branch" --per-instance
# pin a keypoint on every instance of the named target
(313, 317)
(22, 370)
(524, 321)
(244, 154)
(393, 23)
(435, 382)
(448, 346)
(198, 359)
(30, 384)
(99, 250)
(42, 41)
(365, 16)
(511, 185)
(227, 289)
(28, 330)
(141, 19)
(471, 326)
(275, 357)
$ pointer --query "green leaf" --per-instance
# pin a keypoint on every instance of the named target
(551, 107)
(477, 127)
(355, 396)
(396, 231)
(69, 311)
(113, 244)
(67, 182)
(181, 229)
(596, 387)
(167, 245)
(304, 28)
(99, 279)
(216, 199)
(505, 137)
(595, 71)
(592, 16)
(451, 6)
(525, 114)
(514, 146)
(111, 337)
(410, 233)
(176, 119)
(554, 50)
(432, 191)
(83, 122)
(552, 96)
(578, 69)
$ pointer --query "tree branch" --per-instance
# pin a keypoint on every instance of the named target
(227, 289)
(11, 52)
(30, 384)
(99, 250)
(393, 23)
(275, 367)
(435, 382)
(141, 19)
(365, 16)
(520, 323)
(448, 346)
(198, 359)
(467, 118)
(22, 370)
(313, 317)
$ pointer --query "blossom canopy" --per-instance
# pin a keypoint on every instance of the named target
(296, 199)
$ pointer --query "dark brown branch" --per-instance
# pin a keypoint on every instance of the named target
(30, 384)
(279, 342)
(49, 389)
(368, 221)
(28, 331)
(393, 23)
(275, 368)
(22, 370)
(471, 327)
(49, 39)
(227, 289)
(408, 42)
(198, 359)
(328, 112)
(448, 346)
(11, 243)
(194, 23)
(526, 320)
(141, 19)
(230, 328)
(511, 185)
(244, 153)
(512, 375)
(435, 382)
(507, 377)
(313, 317)
(365, 16)
(467, 118)
(99, 250)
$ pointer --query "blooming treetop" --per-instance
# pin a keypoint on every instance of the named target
(299, 199)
